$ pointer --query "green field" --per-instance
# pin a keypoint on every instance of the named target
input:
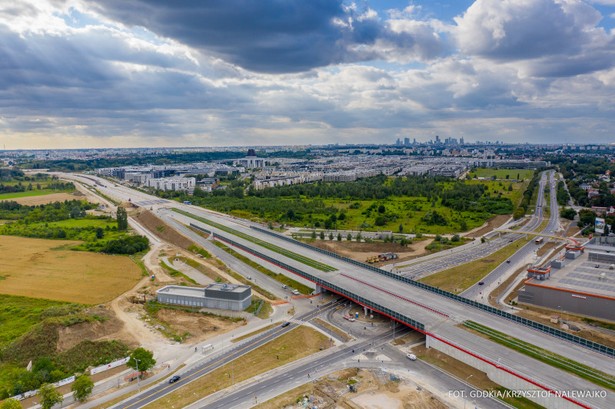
(506, 174)
(434, 205)
(27, 193)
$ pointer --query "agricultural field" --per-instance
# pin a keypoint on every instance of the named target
(503, 174)
(38, 197)
(47, 269)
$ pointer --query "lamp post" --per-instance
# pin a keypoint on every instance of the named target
(138, 375)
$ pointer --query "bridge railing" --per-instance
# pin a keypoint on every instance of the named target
(317, 280)
(512, 317)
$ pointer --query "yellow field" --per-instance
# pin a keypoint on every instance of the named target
(44, 269)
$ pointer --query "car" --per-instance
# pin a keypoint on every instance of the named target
(174, 378)
(295, 292)
(284, 287)
(411, 357)
(286, 324)
(481, 283)
(508, 261)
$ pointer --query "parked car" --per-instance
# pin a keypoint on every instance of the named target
(174, 378)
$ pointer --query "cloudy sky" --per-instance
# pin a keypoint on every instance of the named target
(117, 73)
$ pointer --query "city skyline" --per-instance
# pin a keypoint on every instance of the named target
(87, 73)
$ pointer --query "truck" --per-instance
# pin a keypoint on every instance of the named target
(539, 240)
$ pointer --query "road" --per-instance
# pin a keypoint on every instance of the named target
(503, 271)
(291, 376)
(475, 250)
(440, 315)
(145, 397)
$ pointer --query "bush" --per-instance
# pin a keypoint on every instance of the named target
(126, 245)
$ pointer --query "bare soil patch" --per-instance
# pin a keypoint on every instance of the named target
(586, 331)
(362, 251)
(46, 269)
(373, 391)
(161, 229)
(493, 223)
(199, 326)
(109, 328)
(50, 198)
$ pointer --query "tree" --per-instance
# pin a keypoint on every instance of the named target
(339, 236)
(82, 388)
(381, 209)
(49, 396)
(331, 236)
(141, 360)
(400, 228)
(10, 404)
(122, 219)
(349, 237)
(322, 235)
(313, 234)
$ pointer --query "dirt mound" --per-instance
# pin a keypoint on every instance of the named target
(199, 326)
(493, 223)
(108, 327)
(161, 229)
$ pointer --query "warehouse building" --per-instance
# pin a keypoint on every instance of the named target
(580, 282)
(218, 296)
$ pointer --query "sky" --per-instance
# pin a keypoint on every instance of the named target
(150, 73)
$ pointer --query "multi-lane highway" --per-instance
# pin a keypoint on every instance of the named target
(479, 292)
(440, 315)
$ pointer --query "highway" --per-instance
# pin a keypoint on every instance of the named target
(441, 318)
(278, 381)
(491, 281)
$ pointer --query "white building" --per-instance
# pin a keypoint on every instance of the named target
(173, 183)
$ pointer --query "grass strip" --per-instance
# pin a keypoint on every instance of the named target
(545, 356)
(303, 289)
(296, 344)
(258, 331)
(175, 273)
(287, 253)
(462, 277)
(338, 332)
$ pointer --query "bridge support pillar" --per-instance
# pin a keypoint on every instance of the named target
(318, 289)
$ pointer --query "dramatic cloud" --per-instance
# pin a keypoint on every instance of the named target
(560, 37)
(235, 72)
(273, 36)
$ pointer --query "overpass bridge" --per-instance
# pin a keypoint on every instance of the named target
(436, 314)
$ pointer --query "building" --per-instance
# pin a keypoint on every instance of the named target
(581, 282)
(175, 183)
(217, 296)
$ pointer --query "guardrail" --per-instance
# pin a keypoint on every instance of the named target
(523, 321)
(323, 283)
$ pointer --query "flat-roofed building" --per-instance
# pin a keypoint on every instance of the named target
(218, 296)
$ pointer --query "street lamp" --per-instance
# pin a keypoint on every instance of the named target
(138, 375)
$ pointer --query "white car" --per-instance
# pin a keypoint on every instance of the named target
(411, 357)
(295, 292)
